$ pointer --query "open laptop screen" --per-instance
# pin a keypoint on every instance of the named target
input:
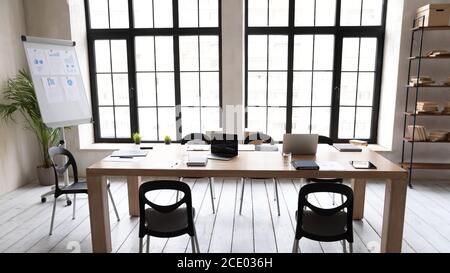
(224, 145)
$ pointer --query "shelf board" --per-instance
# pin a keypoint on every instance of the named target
(426, 142)
(428, 86)
(426, 166)
(427, 115)
(428, 58)
(431, 28)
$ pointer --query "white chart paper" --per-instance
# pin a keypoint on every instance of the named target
(53, 90)
(70, 86)
(38, 61)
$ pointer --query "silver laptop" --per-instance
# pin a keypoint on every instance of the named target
(300, 144)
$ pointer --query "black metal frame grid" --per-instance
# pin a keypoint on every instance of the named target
(339, 33)
(129, 34)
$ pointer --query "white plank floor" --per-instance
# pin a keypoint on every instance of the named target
(24, 221)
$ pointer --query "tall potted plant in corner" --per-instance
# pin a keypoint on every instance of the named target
(19, 97)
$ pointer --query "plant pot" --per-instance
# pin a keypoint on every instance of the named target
(167, 143)
(46, 176)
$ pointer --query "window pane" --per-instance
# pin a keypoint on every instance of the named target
(167, 123)
(121, 94)
(209, 53)
(348, 88)
(366, 87)
(257, 13)
(106, 122)
(210, 88)
(363, 122)
(350, 52)
(188, 13)
(277, 89)
(166, 89)
(302, 88)
(346, 122)
(143, 13)
(145, 54)
(276, 125)
(104, 89)
(118, 10)
(123, 129)
(278, 52)
(189, 89)
(352, 11)
(146, 89)
(303, 52)
(119, 56)
(147, 124)
(257, 52)
(325, 12)
(304, 13)
(210, 119)
(321, 118)
(189, 53)
(368, 54)
(301, 120)
(322, 88)
(278, 13)
(163, 13)
(257, 87)
(190, 120)
(209, 13)
(98, 10)
(164, 53)
(257, 119)
(324, 52)
(372, 12)
(102, 56)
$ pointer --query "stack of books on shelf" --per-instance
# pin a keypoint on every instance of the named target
(420, 134)
(447, 83)
(446, 110)
(421, 81)
(439, 54)
(427, 107)
(439, 136)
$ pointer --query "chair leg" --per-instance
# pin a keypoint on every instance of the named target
(242, 195)
(114, 204)
(275, 181)
(295, 247)
(74, 206)
(196, 243)
(211, 189)
(140, 245)
(147, 247)
(194, 250)
(178, 193)
(334, 199)
(351, 248)
(53, 216)
(344, 247)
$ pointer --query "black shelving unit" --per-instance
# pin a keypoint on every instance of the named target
(413, 92)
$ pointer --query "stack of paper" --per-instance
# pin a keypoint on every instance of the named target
(420, 134)
(421, 81)
(447, 82)
(446, 108)
(438, 54)
(439, 136)
(427, 107)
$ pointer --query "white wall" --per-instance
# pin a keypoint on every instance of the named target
(19, 150)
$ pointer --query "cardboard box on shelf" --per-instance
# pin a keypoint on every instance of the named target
(433, 15)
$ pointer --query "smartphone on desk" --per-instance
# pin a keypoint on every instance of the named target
(363, 165)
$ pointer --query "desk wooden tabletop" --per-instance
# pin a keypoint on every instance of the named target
(171, 160)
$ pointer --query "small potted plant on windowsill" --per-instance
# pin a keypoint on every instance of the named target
(167, 140)
(137, 138)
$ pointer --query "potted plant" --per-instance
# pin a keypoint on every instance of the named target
(137, 138)
(167, 140)
(19, 97)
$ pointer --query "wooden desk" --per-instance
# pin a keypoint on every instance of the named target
(169, 161)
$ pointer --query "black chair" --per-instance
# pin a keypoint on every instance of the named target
(325, 225)
(260, 138)
(166, 221)
(77, 187)
(329, 141)
(200, 139)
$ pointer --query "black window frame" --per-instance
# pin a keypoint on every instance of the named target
(339, 32)
(129, 34)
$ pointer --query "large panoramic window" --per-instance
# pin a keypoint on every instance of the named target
(155, 67)
(314, 66)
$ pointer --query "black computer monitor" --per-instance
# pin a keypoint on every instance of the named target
(224, 145)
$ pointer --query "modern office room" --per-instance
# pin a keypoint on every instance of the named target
(225, 126)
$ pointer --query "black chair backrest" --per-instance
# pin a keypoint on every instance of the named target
(194, 137)
(165, 185)
(259, 137)
(303, 203)
(325, 140)
(59, 151)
